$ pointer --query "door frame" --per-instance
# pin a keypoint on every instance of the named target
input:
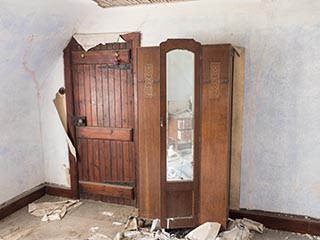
(135, 38)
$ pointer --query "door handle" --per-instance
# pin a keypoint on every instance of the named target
(161, 122)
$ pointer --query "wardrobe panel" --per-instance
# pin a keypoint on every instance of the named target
(149, 132)
(216, 100)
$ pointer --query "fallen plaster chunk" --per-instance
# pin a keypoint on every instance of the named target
(119, 236)
(51, 211)
(99, 236)
(251, 225)
(308, 236)
(109, 214)
(94, 229)
(132, 224)
(162, 235)
(117, 223)
(239, 232)
(132, 234)
(241, 229)
(155, 225)
(206, 231)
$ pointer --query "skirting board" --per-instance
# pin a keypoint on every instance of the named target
(22, 200)
(32, 195)
(59, 191)
(291, 223)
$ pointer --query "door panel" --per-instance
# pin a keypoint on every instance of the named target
(149, 132)
(104, 94)
(215, 134)
(180, 199)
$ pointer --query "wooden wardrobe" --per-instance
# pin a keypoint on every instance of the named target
(184, 132)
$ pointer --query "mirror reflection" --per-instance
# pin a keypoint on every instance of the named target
(180, 115)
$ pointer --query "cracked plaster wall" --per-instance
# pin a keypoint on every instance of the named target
(281, 140)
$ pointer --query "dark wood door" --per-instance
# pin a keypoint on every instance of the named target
(104, 118)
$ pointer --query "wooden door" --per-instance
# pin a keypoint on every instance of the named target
(104, 120)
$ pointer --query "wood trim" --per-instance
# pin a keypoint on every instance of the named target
(58, 191)
(110, 190)
(237, 119)
(21, 201)
(135, 38)
(70, 113)
(291, 223)
(121, 134)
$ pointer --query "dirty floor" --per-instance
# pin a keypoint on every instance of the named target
(90, 221)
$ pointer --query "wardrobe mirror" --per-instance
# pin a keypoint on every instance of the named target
(180, 114)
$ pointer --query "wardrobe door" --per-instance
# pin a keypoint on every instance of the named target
(149, 132)
(179, 116)
(216, 102)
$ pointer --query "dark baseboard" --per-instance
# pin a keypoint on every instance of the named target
(291, 223)
(59, 191)
(21, 201)
(32, 195)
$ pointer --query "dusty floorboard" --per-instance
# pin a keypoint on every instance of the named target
(91, 220)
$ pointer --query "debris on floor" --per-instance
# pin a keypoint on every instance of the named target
(242, 229)
(51, 211)
(109, 214)
(208, 230)
(94, 229)
(155, 225)
(132, 224)
(99, 236)
(79, 224)
(239, 229)
(117, 223)
(238, 232)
